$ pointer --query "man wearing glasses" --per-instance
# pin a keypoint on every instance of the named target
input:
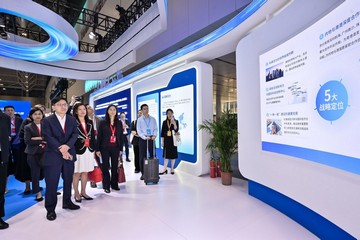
(60, 133)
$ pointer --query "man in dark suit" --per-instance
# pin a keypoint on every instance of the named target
(126, 133)
(60, 133)
(5, 123)
(15, 141)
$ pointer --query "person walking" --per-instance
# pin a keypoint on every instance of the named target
(135, 143)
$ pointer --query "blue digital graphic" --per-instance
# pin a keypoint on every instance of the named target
(21, 107)
(332, 100)
(58, 47)
(121, 99)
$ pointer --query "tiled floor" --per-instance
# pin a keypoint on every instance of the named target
(179, 207)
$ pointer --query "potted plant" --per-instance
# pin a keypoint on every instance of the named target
(213, 161)
(224, 138)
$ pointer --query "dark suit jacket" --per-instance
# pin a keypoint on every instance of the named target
(79, 145)
(135, 140)
(32, 146)
(22, 128)
(104, 133)
(54, 136)
(16, 139)
(5, 129)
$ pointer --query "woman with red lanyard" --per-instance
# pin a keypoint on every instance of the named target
(85, 147)
(109, 146)
(34, 149)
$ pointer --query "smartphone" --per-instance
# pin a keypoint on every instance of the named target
(78, 98)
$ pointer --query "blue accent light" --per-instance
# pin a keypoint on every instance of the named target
(58, 47)
(311, 220)
(211, 37)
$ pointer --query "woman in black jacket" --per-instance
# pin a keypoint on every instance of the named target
(85, 147)
(109, 146)
(34, 149)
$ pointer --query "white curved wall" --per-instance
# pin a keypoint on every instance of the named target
(330, 192)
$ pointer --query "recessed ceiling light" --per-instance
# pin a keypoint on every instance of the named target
(26, 76)
(4, 88)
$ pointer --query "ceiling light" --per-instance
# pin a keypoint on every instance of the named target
(26, 76)
(3, 34)
(91, 35)
(24, 34)
(1, 84)
(27, 90)
(4, 88)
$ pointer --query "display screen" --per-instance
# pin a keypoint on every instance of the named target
(121, 99)
(309, 92)
(21, 107)
(181, 101)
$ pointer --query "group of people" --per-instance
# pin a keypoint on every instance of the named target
(71, 144)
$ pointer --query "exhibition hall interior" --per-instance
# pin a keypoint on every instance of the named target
(192, 119)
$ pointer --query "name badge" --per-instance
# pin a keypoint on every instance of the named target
(169, 133)
(148, 132)
(112, 139)
(13, 130)
(87, 142)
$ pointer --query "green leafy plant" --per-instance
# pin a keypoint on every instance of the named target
(224, 137)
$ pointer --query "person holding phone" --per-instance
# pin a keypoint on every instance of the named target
(169, 127)
(109, 146)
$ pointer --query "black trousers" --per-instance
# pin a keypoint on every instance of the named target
(3, 176)
(14, 156)
(107, 154)
(35, 166)
(52, 176)
(126, 144)
(136, 155)
(143, 152)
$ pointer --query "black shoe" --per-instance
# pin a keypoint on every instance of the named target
(71, 206)
(136, 171)
(172, 172)
(116, 188)
(93, 185)
(51, 216)
(58, 193)
(107, 190)
(87, 198)
(164, 172)
(142, 177)
(39, 199)
(128, 160)
(3, 225)
(77, 200)
(27, 192)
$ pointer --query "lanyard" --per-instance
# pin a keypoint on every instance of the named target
(112, 130)
(169, 125)
(147, 122)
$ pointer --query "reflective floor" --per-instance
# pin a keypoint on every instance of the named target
(179, 207)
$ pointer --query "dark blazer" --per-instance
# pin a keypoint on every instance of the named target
(79, 145)
(104, 133)
(135, 140)
(54, 136)
(16, 139)
(32, 146)
(5, 130)
(22, 129)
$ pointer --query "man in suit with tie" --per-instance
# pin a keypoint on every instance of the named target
(60, 133)
(5, 123)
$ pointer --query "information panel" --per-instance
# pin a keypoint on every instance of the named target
(121, 99)
(181, 101)
(310, 92)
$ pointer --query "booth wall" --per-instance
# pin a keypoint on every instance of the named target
(332, 193)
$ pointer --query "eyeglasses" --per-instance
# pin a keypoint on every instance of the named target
(61, 105)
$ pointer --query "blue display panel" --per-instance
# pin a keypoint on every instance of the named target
(21, 107)
(180, 96)
(309, 92)
(120, 99)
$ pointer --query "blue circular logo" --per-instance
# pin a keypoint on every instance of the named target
(332, 100)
